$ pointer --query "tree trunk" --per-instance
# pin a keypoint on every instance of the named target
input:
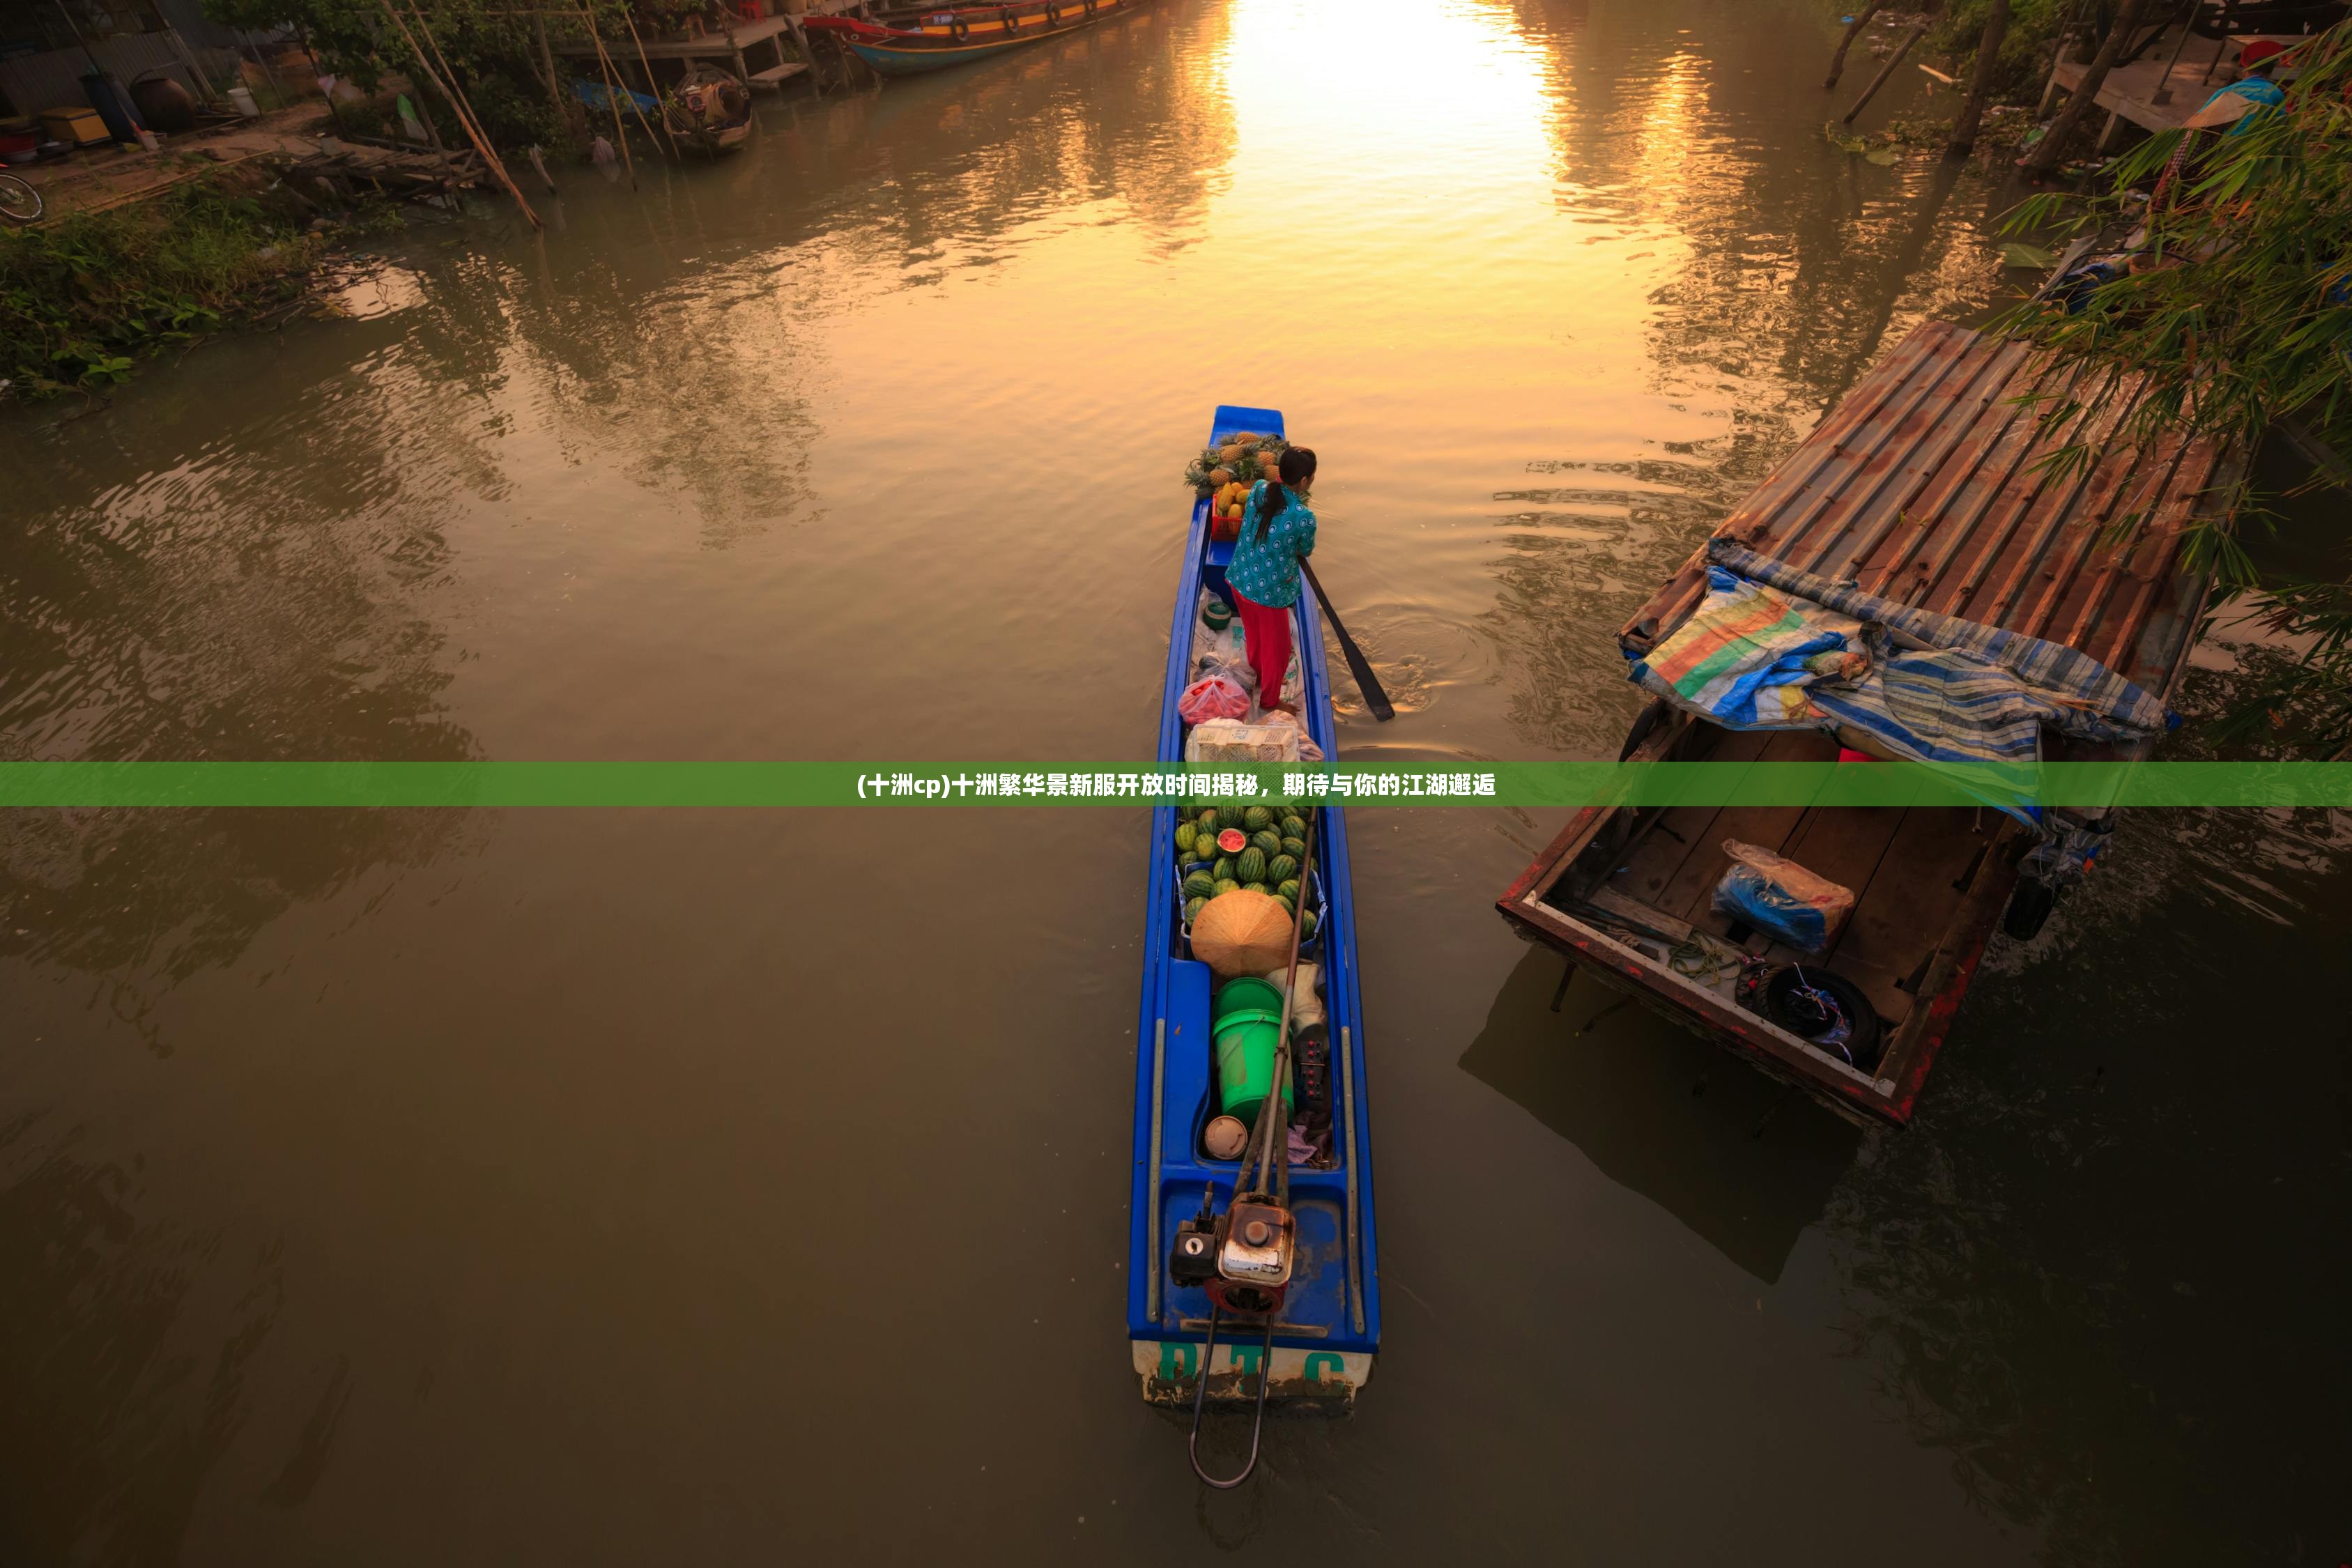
(1852, 31)
(1964, 129)
(2044, 158)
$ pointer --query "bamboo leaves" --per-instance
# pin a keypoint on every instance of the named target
(2226, 292)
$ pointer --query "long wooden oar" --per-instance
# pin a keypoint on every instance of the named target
(1366, 681)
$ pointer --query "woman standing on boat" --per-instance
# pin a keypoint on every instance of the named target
(1278, 532)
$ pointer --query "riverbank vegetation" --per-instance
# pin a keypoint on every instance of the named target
(1994, 56)
(2234, 301)
(492, 61)
(494, 54)
(86, 296)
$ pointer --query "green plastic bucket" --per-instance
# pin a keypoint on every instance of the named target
(1218, 614)
(1247, 991)
(1246, 1039)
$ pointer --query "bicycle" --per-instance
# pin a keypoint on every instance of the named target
(19, 203)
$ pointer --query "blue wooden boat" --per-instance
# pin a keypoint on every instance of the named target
(910, 43)
(1328, 1331)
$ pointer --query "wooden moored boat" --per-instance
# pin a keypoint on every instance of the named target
(1327, 1330)
(709, 111)
(908, 43)
(1925, 490)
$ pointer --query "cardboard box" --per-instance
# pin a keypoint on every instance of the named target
(83, 127)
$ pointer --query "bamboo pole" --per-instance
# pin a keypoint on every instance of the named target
(620, 82)
(557, 99)
(1885, 71)
(645, 62)
(2163, 93)
(472, 132)
(1852, 31)
(612, 96)
(466, 116)
(448, 170)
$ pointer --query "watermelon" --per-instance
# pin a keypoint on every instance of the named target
(1281, 867)
(1287, 906)
(1224, 869)
(1305, 924)
(1255, 817)
(1227, 885)
(1233, 840)
(1200, 885)
(1206, 822)
(1294, 847)
(1185, 833)
(1255, 888)
(1287, 888)
(1294, 827)
(1193, 908)
(1250, 864)
(1268, 842)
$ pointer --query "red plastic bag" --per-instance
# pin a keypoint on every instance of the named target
(1212, 696)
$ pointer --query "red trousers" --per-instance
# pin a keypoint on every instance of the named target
(1266, 632)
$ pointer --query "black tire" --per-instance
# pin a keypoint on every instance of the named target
(961, 28)
(2029, 908)
(1643, 725)
(19, 203)
(1864, 1043)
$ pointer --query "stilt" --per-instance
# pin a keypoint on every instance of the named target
(1560, 994)
(1772, 1110)
(1613, 1008)
(808, 53)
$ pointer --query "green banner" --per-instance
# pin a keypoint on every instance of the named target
(2088, 785)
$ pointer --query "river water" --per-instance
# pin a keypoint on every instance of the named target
(730, 1186)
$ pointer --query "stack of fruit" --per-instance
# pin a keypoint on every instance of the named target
(1225, 473)
(1231, 849)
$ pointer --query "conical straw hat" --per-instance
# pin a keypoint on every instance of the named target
(1242, 932)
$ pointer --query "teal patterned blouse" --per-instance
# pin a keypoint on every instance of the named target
(1267, 572)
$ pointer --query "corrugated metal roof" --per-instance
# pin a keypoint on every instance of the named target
(1923, 486)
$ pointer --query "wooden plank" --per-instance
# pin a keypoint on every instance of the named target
(1657, 859)
(1652, 860)
(1767, 826)
(716, 45)
(1906, 908)
(1887, 998)
(774, 77)
(1846, 842)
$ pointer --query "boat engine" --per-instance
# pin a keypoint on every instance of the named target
(1242, 1258)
